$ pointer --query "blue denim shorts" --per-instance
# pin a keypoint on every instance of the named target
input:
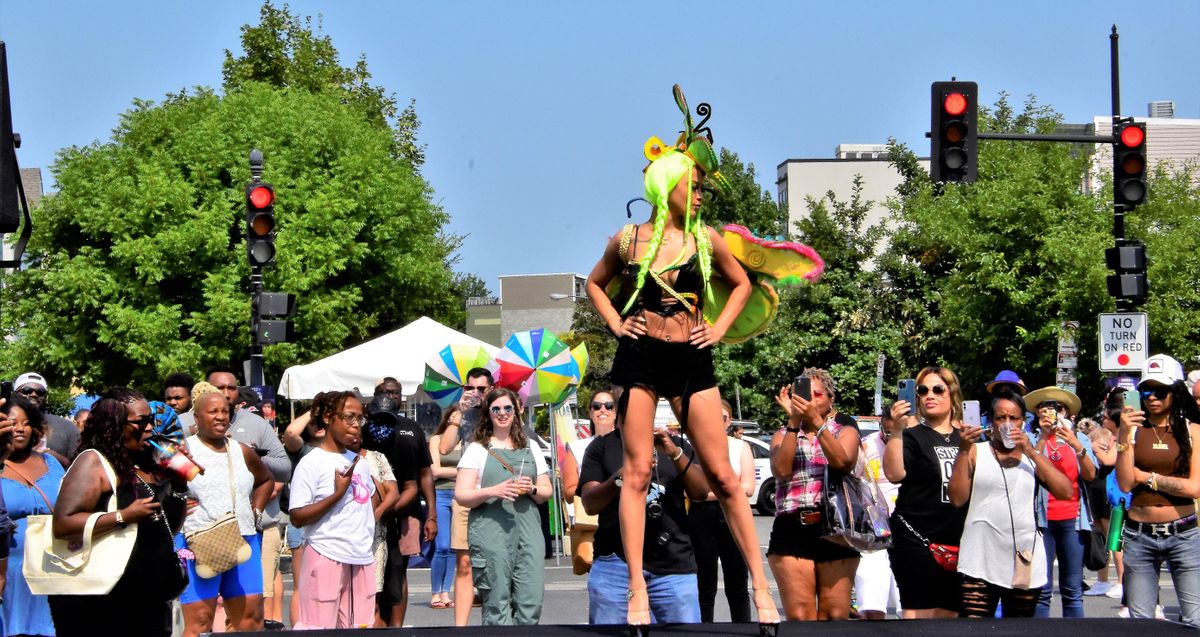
(295, 537)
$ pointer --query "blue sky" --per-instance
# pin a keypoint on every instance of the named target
(534, 113)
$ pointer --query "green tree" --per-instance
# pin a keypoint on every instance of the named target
(831, 324)
(982, 275)
(746, 203)
(137, 266)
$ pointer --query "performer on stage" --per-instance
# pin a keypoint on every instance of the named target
(664, 270)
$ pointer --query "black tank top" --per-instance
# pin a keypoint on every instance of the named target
(689, 283)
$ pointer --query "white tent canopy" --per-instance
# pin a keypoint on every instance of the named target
(400, 354)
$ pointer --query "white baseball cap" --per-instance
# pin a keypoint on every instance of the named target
(1161, 369)
(30, 378)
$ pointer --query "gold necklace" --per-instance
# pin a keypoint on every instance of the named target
(1160, 445)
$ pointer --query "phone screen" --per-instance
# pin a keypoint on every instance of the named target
(971, 413)
(802, 387)
(908, 393)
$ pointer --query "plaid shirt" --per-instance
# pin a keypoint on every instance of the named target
(803, 489)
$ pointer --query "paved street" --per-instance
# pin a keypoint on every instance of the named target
(566, 595)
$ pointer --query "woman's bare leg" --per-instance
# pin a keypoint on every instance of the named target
(638, 440)
(707, 434)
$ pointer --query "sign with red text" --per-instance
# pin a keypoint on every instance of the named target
(1124, 338)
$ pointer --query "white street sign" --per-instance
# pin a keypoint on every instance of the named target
(1123, 341)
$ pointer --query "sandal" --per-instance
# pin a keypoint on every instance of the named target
(437, 603)
(768, 614)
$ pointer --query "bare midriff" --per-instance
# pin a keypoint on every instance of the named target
(676, 328)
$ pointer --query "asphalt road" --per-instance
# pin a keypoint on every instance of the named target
(566, 598)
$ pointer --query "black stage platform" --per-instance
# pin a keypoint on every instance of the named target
(947, 627)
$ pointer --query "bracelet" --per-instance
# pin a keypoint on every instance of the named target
(1152, 481)
(677, 456)
(822, 429)
(792, 430)
(1122, 447)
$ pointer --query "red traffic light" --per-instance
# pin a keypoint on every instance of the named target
(261, 197)
(955, 104)
(1133, 136)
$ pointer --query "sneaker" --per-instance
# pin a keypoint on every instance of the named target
(1097, 589)
(1115, 592)
(1158, 612)
(271, 624)
(1123, 613)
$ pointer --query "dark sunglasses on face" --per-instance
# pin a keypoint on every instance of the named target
(143, 421)
(597, 406)
(1159, 393)
(501, 409)
(30, 391)
(924, 390)
(474, 388)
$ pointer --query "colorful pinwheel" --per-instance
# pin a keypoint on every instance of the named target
(446, 373)
(537, 366)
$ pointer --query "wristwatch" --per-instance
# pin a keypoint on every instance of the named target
(120, 519)
(792, 430)
(1122, 446)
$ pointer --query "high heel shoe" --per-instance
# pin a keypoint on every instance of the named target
(768, 615)
(638, 618)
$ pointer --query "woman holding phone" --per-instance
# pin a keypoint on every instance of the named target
(1159, 462)
(332, 500)
(926, 526)
(1066, 521)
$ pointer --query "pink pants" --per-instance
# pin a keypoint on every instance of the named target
(334, 595)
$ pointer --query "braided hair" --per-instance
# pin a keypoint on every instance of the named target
(662, 176)
(106, 430)
(1183, 410)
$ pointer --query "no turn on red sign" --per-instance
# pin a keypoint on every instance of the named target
(1124, 340)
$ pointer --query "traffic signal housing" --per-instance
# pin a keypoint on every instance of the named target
(1129, 164)
(1128, 260)
(271, 324)
(953, 131)
(260, 224)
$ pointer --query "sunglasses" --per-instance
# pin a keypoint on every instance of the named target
(598, 406)
(1159, 393)
(144, 421)
(938, 390)
(474, 388)
(30, 391)
(501, 409)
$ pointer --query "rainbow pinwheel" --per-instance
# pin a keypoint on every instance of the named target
(537, 366)
(446, 373)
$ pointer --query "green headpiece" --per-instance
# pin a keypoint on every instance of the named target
(695, 141)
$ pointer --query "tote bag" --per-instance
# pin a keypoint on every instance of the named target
(56, 566)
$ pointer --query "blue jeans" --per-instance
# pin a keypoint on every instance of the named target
(1065, 543)
(443, 566)
(1144, 556)
(674, 599)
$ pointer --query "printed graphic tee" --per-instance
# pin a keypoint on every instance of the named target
(345, 532)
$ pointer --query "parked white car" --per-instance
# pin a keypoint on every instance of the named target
(763, 497)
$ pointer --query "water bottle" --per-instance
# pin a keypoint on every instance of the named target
(1116, 524)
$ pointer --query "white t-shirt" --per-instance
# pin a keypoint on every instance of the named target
(345, 532)
(476, 456)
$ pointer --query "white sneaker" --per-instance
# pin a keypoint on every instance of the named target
(1158, 612)
(1097, 589)
(1115, 592)
(1123, 613)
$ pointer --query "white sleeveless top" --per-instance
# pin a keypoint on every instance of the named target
(986, 551)
(211, 488)
(735, 454)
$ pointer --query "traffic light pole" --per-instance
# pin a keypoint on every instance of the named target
(256, 286)
(1123, 304)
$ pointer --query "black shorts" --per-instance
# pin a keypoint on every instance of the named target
(791, 538)
(670, 369)
(922, 583)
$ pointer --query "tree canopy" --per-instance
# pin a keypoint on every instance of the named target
(137, 266)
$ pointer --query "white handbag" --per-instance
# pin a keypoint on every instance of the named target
(55, 566)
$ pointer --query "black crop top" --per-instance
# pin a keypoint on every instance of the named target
(689, 283)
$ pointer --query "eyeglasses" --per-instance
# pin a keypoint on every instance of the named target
(354, 419)
(1159, 393)
(501, 409)
(923, 390)
(144, 421)
(30, 391)
(597, 406)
